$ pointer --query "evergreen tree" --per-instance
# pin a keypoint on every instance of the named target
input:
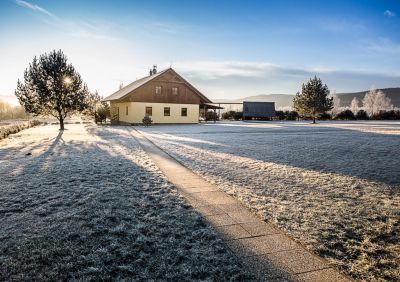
(102, 112)
(313, 99)
(52, 87)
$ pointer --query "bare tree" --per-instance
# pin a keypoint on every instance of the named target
(336, 103)
(354, 105)
(376, 101)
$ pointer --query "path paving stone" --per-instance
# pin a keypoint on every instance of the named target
(235, 231)
(220, 220)
(259, 228)
(262, 248)
(327, 275)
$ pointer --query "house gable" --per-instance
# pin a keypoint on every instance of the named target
(167, 80)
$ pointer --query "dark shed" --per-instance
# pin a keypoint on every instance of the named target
(258, 110)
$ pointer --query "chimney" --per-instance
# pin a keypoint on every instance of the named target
(154, 69)
(151, 72)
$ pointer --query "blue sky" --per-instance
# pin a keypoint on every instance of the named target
(227, 49)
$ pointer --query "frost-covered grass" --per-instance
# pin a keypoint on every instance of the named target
(14, 126)
(333, 186)
(88, 204)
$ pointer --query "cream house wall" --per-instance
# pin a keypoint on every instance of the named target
(136, 112)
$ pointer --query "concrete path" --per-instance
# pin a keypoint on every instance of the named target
(263, 249)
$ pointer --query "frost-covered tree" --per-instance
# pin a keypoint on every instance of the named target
(92, 101)
(102, 112)
(52, 87)
(354, 105)
(336, 104)
(375, 101)
(313, 99)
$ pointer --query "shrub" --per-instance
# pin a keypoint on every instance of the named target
(147, 121)
(228, 115)
(387, 115)
(325, 116)
(291, 115)
(211, 115)
(238, 115)
(280, 115)
(345, 115)
(16, 127)
(286, 115)
(102, 113)
(362, 115)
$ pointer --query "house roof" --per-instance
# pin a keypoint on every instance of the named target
(132, 86)
(137, 83)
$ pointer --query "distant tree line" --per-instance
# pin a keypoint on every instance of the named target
(315, 101)
(8, 111)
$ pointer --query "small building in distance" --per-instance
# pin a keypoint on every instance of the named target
(258, 110)
(165, 96)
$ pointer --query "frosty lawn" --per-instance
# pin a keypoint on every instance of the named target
(333, 186)
(90, 204)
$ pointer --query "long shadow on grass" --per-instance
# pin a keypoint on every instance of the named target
(89, 212)
(350, 224)
(263, 267)
(343, 151)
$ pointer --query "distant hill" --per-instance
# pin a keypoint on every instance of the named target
(284, 100)
(392, 93)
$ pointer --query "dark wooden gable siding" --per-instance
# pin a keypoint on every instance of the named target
(168, 80)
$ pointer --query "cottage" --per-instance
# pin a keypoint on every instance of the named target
(164, 96)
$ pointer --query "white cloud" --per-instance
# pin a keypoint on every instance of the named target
(80, 29)
(389, 14)
(234, 79)
(385, 45)
(248, 69)
(342, 26)
(33, 7)
(216, 69)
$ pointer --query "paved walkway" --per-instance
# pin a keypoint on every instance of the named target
(263, 249)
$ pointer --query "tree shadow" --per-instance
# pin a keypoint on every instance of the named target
(344, 151)
(98, 208)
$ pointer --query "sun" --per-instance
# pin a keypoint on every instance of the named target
(67, 80)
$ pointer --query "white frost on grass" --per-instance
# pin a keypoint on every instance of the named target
(89, 204)
(333, 186)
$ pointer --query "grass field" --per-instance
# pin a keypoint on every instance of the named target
(333, 186)
(88, 204)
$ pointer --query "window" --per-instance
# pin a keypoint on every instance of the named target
(184, 112)
(167, 111)
(174, 90)
(126, 110)
(149, 111)
(158, 90)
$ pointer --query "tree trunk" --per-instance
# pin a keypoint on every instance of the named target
(313, 120)
(61, 119)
